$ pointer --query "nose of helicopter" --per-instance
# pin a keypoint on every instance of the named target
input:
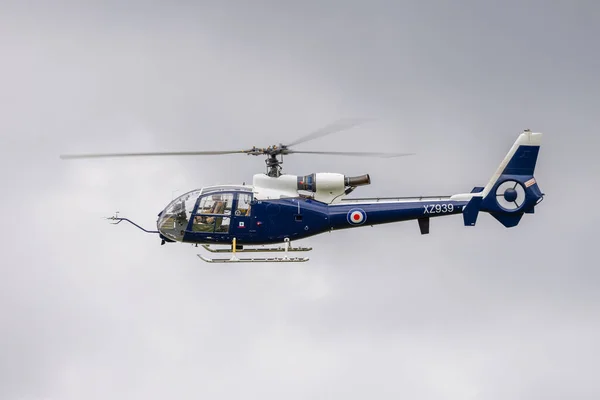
(171, 225)
(173, 220)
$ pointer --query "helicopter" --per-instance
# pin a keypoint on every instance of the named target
(279, 208)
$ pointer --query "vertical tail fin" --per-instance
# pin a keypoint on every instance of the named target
(512, 191)
(520, 160)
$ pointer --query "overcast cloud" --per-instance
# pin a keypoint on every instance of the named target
(94, 311)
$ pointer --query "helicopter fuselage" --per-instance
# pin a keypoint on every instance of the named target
(273, 221)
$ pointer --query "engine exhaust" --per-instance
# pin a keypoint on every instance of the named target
(357, 180)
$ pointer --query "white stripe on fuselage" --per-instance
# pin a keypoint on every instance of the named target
(392, 200)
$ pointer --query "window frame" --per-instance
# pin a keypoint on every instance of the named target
(216, 217)
(249, 203)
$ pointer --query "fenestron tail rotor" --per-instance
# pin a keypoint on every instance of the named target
(510, 195)
(273, 153)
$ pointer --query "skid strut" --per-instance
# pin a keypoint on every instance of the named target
(287, 248)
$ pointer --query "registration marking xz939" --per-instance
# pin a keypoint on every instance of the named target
(438, 208)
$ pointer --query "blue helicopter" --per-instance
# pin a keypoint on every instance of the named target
(280, 208)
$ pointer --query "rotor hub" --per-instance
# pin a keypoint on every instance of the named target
(510, 195)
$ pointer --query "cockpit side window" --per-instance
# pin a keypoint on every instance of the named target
(220, 203)
(213, 213)
(243, 204)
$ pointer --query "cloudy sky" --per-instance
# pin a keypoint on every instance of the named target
(94, 311)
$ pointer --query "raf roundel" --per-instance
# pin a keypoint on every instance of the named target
(356, 217)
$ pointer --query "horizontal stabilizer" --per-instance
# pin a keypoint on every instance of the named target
(471, 211)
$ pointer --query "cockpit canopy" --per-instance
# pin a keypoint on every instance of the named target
(208, 209)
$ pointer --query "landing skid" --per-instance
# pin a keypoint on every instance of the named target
(253, 260)
(234, 259)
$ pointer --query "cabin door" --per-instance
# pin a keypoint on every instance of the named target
(243, 221)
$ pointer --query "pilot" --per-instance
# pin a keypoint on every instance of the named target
(180, 218)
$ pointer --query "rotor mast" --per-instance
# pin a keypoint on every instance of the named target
(274, 165)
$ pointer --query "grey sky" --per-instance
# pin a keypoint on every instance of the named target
(93, 311)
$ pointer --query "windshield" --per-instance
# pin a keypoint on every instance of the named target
(173, 221)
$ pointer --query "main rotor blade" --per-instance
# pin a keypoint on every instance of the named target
(337, 126)
(354, 153)
(170, 153)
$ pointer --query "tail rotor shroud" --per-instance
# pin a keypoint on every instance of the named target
(510, 195)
